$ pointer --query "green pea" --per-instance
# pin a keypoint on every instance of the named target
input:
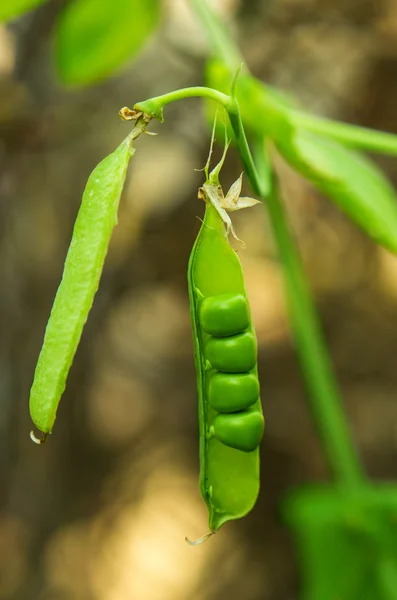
(241, 430)
(234, 354)
(229, 393)
(83, 267)
(225, 314)
(229, 455)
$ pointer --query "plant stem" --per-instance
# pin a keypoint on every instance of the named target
(259, 186)
(154, 106)
(223, 46)
(350, 135)
(311, 349)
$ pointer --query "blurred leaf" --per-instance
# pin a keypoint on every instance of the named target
(10, 9)
(347, 542)
(95, 37)
(250, 93)
(263, 109)
(353, 182)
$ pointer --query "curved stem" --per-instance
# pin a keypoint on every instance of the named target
(350, 135)
(154, 106)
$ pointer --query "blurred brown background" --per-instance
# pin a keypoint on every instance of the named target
(101, 511)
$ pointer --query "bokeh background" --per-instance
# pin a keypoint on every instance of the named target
(101, 511)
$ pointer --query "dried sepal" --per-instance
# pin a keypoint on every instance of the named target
(232, 201)
(212, 191)
(244, 202)
(214, 194)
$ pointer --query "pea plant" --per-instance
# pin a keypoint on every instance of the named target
(346, 531)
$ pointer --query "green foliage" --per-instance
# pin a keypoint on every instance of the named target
(346, 534)
(347, 542)
(261, 106)
(94, 38)
(248, 91)
(349, 179)
(9, 9)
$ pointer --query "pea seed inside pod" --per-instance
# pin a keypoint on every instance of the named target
(224, 314)
(234, 354)
(230, 393)
(242, 430)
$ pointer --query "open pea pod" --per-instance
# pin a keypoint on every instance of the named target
(352, 181)
(225, 351)
(230, 414)
(347, 542)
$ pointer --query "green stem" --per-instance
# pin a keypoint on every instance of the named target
(154, 106)
(326, 403)
(223, 46)
(350, 135)
(259, 186)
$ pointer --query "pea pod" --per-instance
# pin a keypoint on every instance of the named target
(230, 413)
(83, 267)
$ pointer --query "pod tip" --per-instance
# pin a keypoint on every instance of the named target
(38, 440)
(199, 541)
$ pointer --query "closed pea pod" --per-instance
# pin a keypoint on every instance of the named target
(230, 413)
(83, 267)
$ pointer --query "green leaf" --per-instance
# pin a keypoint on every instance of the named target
(219, 76)
(257, 101)
(9, 9)
(96, 37)
(346, 542)
(353, 182)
